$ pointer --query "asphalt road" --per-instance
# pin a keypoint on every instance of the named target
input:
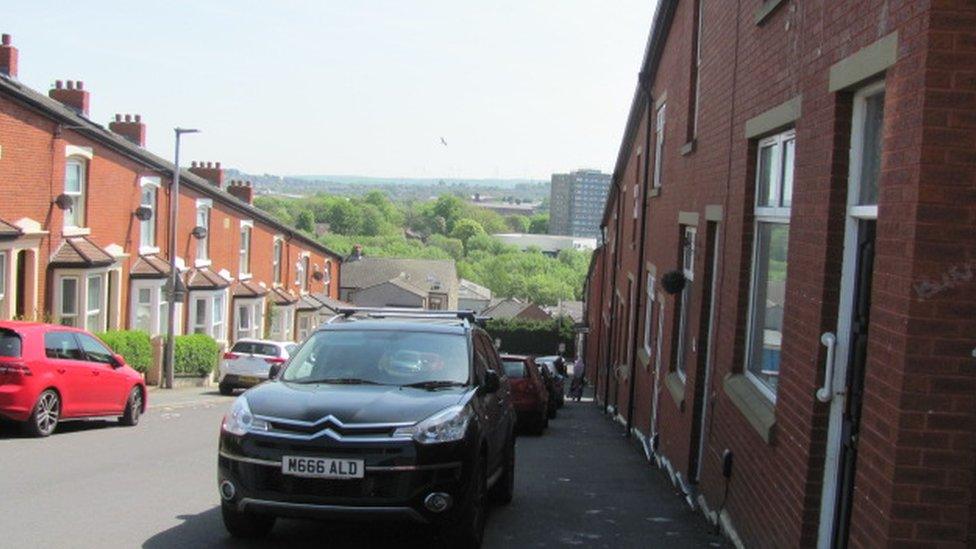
(96, 484)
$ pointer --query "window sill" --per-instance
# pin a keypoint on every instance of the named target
(202, 263)
(244, 276)
(76, 231)
(689, 147)
(754, 405)
(644, 356)
(148, 250)
(767, 9)
(655, 191)
(676, 388)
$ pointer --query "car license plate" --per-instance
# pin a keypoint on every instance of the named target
(250, 379)
(316, 467)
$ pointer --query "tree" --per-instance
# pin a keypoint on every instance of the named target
(518, 223)
(450, 208)
(345, 218)
(465, 229)
(305, 221)
(539, 224)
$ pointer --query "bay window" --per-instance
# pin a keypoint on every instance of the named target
(774, 194)
(207, 313)
(149, 310)
(282, 322)
(69, 301)
(82, 300)
(249, 318)
(94, 303)
(75, 186)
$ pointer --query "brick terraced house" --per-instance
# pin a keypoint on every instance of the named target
(84, 230)
(783, 313)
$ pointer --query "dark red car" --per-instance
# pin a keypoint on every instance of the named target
(50, 373)
(529, 393)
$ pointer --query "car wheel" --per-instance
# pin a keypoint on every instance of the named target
(45, 415)
(226, 390)
(469, 530)
(241, 524)
(133, 408)
(540, 423)
(504, 489)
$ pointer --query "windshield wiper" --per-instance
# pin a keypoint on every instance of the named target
(339, 381)
(437, 384)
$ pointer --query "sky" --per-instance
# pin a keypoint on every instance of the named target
(515, 88)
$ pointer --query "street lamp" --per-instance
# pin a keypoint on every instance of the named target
(173, 289)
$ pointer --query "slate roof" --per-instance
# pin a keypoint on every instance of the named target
(78, 251)
(508, 307)
(308, 303)
(425, 275)
(281, 297)
(572, 309)
(247, 289)
(205, 279)
(329, 303)
(8, 230)
(81, 124)
(150, 266)
(470, 290)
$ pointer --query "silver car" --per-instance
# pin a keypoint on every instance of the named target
(248, 362)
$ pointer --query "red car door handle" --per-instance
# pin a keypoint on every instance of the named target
(61, 370)
(96, 372)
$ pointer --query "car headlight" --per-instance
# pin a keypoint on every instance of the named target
(239, 419)
(448, 425)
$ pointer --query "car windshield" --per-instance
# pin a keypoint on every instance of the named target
(514, 369)
(383, 357)
(256, 348)
(9, 344)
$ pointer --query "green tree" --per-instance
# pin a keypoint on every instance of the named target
(518, 223)
(345, 218)
(465, 229)
(305, 221)
(539, 224)
(450, 208)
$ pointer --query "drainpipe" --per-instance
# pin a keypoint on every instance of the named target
(613, 293)
(645, 85)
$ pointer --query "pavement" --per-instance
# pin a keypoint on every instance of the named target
(97, 484)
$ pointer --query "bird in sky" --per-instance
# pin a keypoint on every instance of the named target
(443, 142)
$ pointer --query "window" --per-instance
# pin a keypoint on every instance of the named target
(147, 227)
(659, 146)
(3, 274)
(62, 345)
(93, 303)
(684, 299)
(276, 260)
(304, 326)
(245, 266)
(774, 193)
(282, 320)
(696, 63)
(207, 314)
(94, 350)
(301, 273)
(250, 316)
(150, 309)
(68, 313)
(866, 141)
(144, 311)
(649, 317)
(74, 186)
(203, 220)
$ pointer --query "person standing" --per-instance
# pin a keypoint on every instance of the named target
(579, 379)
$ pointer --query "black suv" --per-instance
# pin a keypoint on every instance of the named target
(381, 414)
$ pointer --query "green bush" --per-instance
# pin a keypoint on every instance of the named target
(196, 354)
(133, 345)
(533, 337)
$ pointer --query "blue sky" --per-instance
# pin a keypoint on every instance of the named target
(367, 87)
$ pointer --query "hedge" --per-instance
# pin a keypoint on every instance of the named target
(533, 337)
(133, 345)
(196, 354)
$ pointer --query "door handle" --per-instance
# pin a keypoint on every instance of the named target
(96, 373)
(825, 393)
(61, 370)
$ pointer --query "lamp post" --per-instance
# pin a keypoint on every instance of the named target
(173, 289)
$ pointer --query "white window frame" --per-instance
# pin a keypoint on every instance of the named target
(83, 309)
(303, 332)
(282, 325)
(277, 260)
(3, 274)
(204, 206)
(854, 208)
(700, 13)
(76, 219)
(255, 317)
(158, 306)
(649, 315)
(302, 268)
(765, 215)
(660, 119)
(211, 326)
(98, 308)
(247, 233)
(147, 228)
(688, 238)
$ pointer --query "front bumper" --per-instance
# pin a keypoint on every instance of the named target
(398, 476)
(241, 381)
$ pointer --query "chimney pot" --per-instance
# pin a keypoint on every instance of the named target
(79, 85)
(218, 165)
(6, 39)
(138, 118)
(118, 117)
(58, 84)
(71, 94)
(128, 118)
(70, 84)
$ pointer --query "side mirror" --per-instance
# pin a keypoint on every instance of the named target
(274, 371)
(117, 361)
(491, 383)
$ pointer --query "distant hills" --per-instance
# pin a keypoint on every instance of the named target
(426, 181)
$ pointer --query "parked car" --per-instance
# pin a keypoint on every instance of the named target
(51, 373)
(557, 368)
(530, 396)
(407, 417)
(550, 383)
(248, 362)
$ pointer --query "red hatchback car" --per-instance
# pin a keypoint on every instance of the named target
(529, 394)
(50, 373)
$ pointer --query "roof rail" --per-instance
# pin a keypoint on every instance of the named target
(407, 312)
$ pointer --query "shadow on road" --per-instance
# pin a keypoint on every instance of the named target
(9, 429)
(207, 530)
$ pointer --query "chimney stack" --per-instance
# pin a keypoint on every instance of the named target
(243, 190)
(357, 253)
(72, 95)
(8, 57)
(210, 171)
(130, 127)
